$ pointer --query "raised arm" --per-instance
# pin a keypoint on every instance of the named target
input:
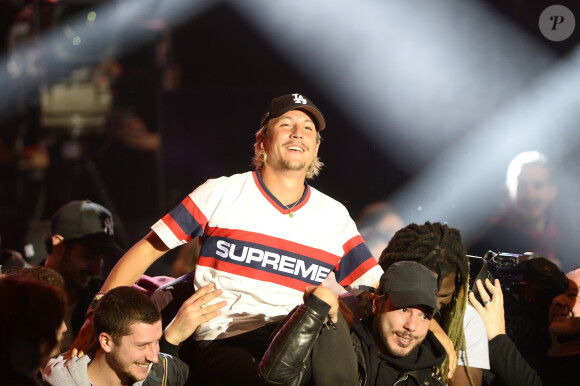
(126, 272)
(135, 262)
(505, 360)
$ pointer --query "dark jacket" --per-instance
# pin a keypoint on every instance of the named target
(507, 366)
(288, 361)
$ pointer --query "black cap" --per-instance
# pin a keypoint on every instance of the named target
(281, 105)
(409, 283)
(89, 224)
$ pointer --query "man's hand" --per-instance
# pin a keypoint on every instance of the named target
(326, 295)
(194, 312)
(492, 311)
(85, 342)
(447, 345)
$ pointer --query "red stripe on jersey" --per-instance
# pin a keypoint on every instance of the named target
(355, 241)
(252, 273)
(175, 228)
(358, 272)
(195, 212)
(282, 209)
(275, 242)
(267, 196)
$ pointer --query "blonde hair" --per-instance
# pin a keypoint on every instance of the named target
(260, 155)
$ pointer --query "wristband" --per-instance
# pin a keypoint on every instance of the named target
(93, 304)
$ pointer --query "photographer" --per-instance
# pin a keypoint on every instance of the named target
(558, 364)
(506, 363)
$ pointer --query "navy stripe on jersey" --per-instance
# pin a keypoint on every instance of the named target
(352, 260)
(251, 257)
(186, 221)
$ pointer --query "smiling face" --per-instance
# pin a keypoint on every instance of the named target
(292, 143)
(131, 356)
(398, 331)
(77, 265)
(564, 313)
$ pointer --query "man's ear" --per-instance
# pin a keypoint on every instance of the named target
(261, 140)
(376, 303)
(106, 342)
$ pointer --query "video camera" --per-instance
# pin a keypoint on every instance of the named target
(529, 282)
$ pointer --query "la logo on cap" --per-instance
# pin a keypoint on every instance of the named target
(299, 99)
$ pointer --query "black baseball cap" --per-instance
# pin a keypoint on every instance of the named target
(89, 224)
(282, 104)
(409, 283)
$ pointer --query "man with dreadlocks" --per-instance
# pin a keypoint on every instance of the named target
(439, 248)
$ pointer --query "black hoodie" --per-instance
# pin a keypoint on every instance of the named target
(385, 369)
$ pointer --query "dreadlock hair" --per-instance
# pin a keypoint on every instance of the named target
(440, 249)
(260, 155)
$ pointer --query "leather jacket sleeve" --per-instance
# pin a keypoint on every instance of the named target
(287, 359)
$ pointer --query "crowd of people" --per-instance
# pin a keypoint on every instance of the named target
(285, 289)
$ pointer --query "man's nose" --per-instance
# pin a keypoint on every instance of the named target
(560, 300)
(152, 352)
(297, 131)
(411, 323)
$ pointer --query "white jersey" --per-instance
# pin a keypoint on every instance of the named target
(260, 257)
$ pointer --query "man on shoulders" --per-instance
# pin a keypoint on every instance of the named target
(265, 236)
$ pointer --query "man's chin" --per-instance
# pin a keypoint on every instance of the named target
(296, 166)
(400, 352)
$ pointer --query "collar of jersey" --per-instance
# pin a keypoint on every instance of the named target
(274, 201)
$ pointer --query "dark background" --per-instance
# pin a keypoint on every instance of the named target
(228, 71)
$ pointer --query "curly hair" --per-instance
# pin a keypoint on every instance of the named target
(260, 155)
(439, 248)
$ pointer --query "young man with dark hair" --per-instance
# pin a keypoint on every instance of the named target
(394, 345)
(528, 222)
(439, 248)
(82, 236)
(129, 339)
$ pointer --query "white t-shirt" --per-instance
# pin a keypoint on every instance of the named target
(475, 340)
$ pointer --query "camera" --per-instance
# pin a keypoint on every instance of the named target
(529, 282)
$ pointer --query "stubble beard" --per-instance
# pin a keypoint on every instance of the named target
(117, 365)
(384, 335)
(287, 165)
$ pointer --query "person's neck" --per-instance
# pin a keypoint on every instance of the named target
(101, 374)
(287, 186)
(539, 224)
(567, 347)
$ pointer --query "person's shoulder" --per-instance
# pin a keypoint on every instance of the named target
(224, 181)
(66, 371)
(317, 195)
